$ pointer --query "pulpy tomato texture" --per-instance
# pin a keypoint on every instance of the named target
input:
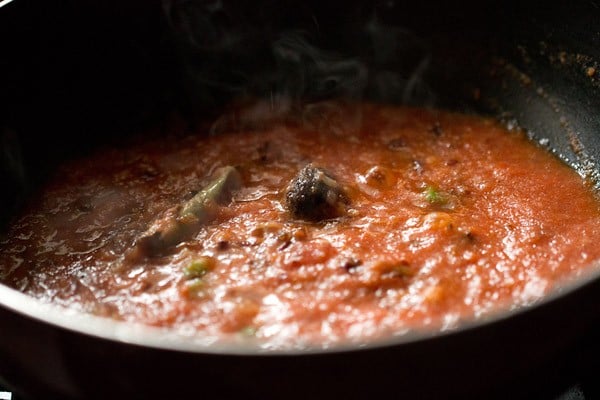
(298, 233)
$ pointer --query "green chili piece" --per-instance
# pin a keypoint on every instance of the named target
(199, 267)
(218, 191)
(248, 331)
(199, 210)
(434, 196)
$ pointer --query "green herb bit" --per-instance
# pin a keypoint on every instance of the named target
(199, 267)
(435, 196)
(248, 331)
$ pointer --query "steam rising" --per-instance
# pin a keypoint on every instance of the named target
(292, 65)
(306, 72)
(391, 47)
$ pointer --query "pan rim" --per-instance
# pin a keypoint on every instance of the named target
(168, 339)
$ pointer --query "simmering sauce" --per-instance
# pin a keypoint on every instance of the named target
(302, 233)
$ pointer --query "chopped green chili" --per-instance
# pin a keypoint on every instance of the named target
(248, 331)
(434, 196)
(199, 267)
(217, 191)
(193, 213)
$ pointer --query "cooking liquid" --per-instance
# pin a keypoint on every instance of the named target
(449, 217)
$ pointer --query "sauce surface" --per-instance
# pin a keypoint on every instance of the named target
(445, 217)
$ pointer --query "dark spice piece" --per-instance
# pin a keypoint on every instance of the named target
(315, 195)
(351, 263)
(222, 245)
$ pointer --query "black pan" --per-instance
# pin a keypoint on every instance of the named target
(106, 70)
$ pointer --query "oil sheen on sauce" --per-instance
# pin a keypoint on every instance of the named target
(446, 218)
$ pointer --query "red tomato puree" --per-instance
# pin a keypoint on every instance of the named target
(430, 218)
